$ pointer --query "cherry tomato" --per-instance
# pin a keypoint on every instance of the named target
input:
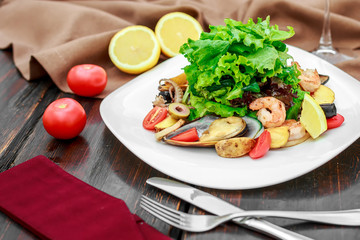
(335, 121)
(87, 80)
(262, 145)
(64, 118)
(190, 135)
(156, 115)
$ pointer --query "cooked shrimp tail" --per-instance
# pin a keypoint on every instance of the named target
(271, 111)
(296, 130)
(309, 79)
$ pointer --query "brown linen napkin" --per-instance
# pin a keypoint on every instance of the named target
(49, 37)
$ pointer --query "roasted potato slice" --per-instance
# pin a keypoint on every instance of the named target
(180, 79)
(167, 122)
(234, 147)
(279, 136)
(323, 95)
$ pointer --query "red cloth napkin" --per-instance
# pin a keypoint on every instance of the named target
(53, 204)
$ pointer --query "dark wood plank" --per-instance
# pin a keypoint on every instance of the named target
(22, 104)
(95, 156)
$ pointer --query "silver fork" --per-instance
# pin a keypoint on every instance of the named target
(201, 223)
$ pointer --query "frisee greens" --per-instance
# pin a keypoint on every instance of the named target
(235, 58)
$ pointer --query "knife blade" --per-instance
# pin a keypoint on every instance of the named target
(218, 207)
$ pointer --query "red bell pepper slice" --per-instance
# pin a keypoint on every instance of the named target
(156, 115)
(262, 145)
(190, 135)
(335, 121)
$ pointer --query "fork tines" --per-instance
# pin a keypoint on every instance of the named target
(162, 212)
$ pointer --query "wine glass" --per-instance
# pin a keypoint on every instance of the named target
(325, 49)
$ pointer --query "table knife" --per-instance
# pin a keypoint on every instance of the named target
(218, 206)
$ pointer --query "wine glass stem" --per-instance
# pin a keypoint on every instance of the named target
(325, 39)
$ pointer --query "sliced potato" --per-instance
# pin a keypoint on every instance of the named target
(234, 147)
(180, 79)
(279, 136)
(167, 122)
(323, 95)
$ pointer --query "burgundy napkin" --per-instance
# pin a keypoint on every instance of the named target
(53, 204)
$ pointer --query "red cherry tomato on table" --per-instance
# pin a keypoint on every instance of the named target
(262, 145)
(64, 118)
(190, 135)
(87, 80)
(156, 115)
(335, 121)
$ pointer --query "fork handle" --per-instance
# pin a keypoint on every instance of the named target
(344, 217)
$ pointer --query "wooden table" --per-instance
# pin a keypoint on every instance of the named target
(99, 159)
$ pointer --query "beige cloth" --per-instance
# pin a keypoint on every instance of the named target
(49, 37)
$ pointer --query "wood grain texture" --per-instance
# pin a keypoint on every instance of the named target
(98, 158)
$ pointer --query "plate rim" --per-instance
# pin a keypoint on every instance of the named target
(104, 116)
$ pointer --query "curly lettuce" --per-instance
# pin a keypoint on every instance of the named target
(232, 59)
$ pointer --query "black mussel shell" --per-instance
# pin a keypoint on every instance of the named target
(329, 109)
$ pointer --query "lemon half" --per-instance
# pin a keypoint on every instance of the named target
(134, 49)
(174, 29)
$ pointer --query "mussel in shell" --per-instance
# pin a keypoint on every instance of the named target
(324, 78)
(224, 128)
(211, 129)
(201, 126)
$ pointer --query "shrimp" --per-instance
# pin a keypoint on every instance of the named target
(296, 130)
(271, 111)
(309, 79)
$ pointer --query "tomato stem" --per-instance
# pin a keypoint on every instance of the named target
(63, 105)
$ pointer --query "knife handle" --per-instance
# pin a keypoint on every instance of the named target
(270, 229)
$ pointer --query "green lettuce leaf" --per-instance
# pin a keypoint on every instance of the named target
(234, 58)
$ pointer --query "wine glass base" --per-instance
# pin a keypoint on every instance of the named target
(331, 55)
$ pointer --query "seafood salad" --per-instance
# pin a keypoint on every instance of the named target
(242, 93)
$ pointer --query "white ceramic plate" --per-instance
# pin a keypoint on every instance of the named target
(124, 110)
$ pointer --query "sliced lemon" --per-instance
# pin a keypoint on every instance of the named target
(312, 117)
(174, 29)
(134, 49)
